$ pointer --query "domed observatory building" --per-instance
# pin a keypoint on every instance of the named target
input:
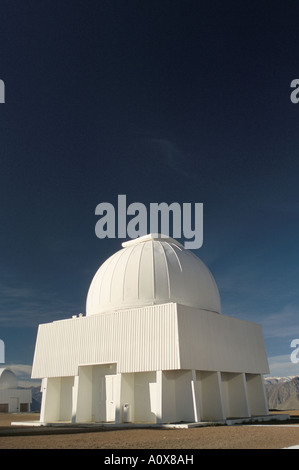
(153, 346)
(12, 398)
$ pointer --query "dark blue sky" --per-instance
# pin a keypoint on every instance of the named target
(163, 101)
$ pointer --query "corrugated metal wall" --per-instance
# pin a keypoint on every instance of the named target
(24, 396)
(160, 337)
(137, 340)
(213, 342)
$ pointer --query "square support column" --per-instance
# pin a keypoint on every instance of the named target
(118, 410)
(177, 396)
(126, 414)
(195, 397)
(84, 395)
(44, 399)
(210, 394)
(235, 395)
(256, 394)
(50, 408)
(75, 398)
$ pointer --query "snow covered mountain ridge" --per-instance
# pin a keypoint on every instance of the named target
(272, 380)
(282, 392)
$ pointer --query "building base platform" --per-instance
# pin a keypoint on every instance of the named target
(226, 422)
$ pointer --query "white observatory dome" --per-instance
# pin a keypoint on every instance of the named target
(152, 270)
(8, 379)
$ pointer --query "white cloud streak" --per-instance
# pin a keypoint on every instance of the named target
(282, 366)
(23, 306)
(23, 373)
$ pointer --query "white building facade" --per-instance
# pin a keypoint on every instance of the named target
(153, 346)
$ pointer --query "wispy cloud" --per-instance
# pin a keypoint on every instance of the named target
(21, 369)
(248, 276)
(282, 366)
(26, 306)
(282, 324)
(172, 156)
(23, 373)
(168, 154)
(253, 278)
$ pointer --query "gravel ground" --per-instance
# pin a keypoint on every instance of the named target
(213, 437)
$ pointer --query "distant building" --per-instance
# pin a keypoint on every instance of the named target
(153, 346)
(12, 398)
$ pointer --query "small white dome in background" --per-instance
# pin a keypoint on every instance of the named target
(8, 379)
(151, 270)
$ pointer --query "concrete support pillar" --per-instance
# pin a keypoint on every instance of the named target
(145, 393)
(66, 386)
(211, 403)
(118, 410)
(195, 397)
(159, 396)
(44, 399)
(235, 395)
(75, 398)
(177, 396)
(50, 408)
(84, 395)
(256, 394)
(127, 398)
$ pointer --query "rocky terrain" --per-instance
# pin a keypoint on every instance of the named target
(122, 441)
(282, 392)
